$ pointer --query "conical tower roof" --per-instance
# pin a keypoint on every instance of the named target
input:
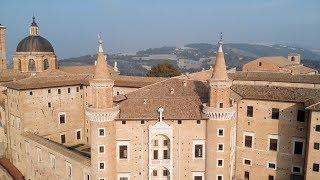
(101, 71)
(220, 69)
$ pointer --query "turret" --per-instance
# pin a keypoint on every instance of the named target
(3, 61)
(101, 114)
(34, 29)
(220, 141)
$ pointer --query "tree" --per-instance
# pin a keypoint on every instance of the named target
(163, 70)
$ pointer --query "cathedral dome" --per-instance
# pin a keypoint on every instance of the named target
(34, 44)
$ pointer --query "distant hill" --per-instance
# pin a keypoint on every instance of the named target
(236, 54)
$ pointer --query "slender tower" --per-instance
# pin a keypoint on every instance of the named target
(101, 114)
(3, 61)
(220, 132)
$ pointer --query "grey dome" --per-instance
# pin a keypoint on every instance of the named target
(34, 44)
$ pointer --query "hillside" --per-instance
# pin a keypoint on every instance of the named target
(194, 57)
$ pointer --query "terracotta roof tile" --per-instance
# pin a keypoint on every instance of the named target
(11, 169)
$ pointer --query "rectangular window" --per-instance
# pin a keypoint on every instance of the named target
(318, 128)
(247, 162)
(301, 115)
(69, 169)
(220, 132)
(275, 113)
(219, 162)
(62, 118)
(59, 91)
(123, 151)
(165, 142)
(220, 105)
(49, 91)
(52, 161)
(165, 172)
(155, 142)
(155, 173)
(219, 177)
(101, 132)
(315, 167)
(165, 154)
(270, 177)
(198, 122)
(49, 104)
(124, 122)
(296, 169)
(272, 165)
(249, 111)
(197, 177)
(298, 147)
(179, 122)
(124, 178)
(246, 175)
(69, 90)
(155, 154)
(101, 149)
(63, 138)
(273, 144)
(316, 146)
(78, 135)
(101, 165)
(142, 121)
(248, 141)
(77, 89)
(31, 93)
(198, 151)
(220, 147)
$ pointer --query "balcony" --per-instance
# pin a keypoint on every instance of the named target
(219, 113)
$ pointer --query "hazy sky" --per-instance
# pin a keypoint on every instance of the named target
(130, 25)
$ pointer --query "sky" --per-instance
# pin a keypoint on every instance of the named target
(131, 25)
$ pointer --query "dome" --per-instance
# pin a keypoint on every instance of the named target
(34, 44)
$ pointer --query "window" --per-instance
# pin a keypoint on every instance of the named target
(142, 121)
(318, 128)
(124, 122)
(220, 163)
(246, 175)
(32, 65)
(165, 142)
(198, 151)
(39, 154)
(45, 64)
(155, 173)
(123, 152)
(101, 149)
(155, 142)
(155, 154)
(101, 165)
(63, 138)
(49, 104)
(220, 105)
(62, 118)
(52, 161)
(249, 111)
(275, 113)
(298, 147)
(101, 179)
(296, 169)
(179, 122)
(69, 169)
(247, 161)
(316, 146)
(49, 91)
(165, 172)
(59, 91)
(273, 144)
(31, 93)
(69, 90)
(124, 178)
(219, 177)
(78, 135)
(77, 89)
(260, 63)
(220, 147)
(101, 132)
(272, 165)
(165, 154)
(220, 132)
(270, 177)
(197, 177)
(301, 115)
(315, 167)
(27, 147)
(198, 122)
(248, 141)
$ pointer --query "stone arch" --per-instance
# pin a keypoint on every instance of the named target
(46, 64)
(31, 65)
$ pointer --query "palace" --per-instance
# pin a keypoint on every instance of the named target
(91, 123)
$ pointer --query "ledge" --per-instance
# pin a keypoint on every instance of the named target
(102, 115)
(219, 113)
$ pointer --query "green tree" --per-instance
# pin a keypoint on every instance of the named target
(163, 70)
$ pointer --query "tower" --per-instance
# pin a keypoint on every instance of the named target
(3, 61)
(220, 132)
(294, 58)
(34, 29)
(101, 113)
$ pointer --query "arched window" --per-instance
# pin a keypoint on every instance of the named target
(45, 64)
(292, 58)
(32, 65)
(19, 65)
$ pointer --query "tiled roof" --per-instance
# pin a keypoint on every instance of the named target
(301, 69)
(11, 169)
(89, 69)
(279, 61)
(10, 74)
(56, 147)
(181, 99)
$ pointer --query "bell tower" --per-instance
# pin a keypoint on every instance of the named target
(3, 61)
(101, 113)
(220, 133)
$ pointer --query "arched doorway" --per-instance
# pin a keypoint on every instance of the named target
(32, 65)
